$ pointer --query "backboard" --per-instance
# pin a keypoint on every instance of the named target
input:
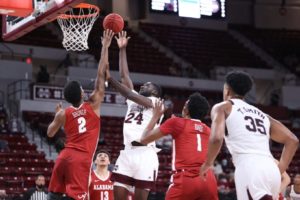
(44, 11)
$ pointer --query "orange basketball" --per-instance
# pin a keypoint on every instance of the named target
(113, 22)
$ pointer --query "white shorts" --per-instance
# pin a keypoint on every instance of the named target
(128, 187)
(256, 175)
(136, 167)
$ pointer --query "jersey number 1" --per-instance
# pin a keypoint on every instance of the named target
(81, 125)
(199, 146)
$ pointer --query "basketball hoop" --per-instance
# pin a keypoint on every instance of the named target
(76, 25)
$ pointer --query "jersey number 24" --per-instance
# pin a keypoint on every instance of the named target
(138, 117)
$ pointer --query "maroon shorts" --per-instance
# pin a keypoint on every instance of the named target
(190, 186)
(71, 173)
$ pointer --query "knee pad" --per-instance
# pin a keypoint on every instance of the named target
(54, 196)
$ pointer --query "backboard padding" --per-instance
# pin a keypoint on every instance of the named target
(42, 15)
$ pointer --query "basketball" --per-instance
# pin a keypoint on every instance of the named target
(113, 22)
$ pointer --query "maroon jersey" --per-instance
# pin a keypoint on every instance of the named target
(190, 142)
(82, 128)
(101, 189)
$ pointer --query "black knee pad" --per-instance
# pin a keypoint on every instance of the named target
(54, 196)
(266, 197)
(67, 198)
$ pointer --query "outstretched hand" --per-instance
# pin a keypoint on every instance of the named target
(122, 39)
(58, 107)
(107, 37)
(158, 109)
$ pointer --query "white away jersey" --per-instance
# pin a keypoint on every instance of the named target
(293, 194)
(136, 120)
(248, 130)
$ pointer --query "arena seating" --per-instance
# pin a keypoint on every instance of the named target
(281, 44)
(112, 140)
(20, 163)
(142, 57)
(205, 49)
(111, 132)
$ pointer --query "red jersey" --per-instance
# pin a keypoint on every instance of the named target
(101, 189)
(190, 142)
(82, 128)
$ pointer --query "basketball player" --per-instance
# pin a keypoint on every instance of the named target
(101, 187)
(257, 176)
(190, 140)
(135, 167)
(293, 192)
(81, 123)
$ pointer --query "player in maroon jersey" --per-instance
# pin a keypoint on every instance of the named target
(101, 187)
(190, 140)
(81, 123)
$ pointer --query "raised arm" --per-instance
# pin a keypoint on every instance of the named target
(57, 122)
(283, 135)
(218, 117)
(150, 134)
(98, 93)
(129, 94)
(122, 41)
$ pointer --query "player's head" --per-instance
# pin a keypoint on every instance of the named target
(150, 89)
(40, 181)
(102, 158)
(73, 93)
(196, 107)
(237, 84)
(297, 179)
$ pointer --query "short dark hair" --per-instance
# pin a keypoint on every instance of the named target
(240, 82)
(72, 92)
(198, 106)
(38, 176)
(157, 89)
(102, 151)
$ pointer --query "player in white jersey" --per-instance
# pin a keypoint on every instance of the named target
(293, 192)
(136, 166)
(257, 176)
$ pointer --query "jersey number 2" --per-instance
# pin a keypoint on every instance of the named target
(81, 125)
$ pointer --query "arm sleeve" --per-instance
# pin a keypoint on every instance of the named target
(172, 126)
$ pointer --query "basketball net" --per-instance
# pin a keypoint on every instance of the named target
(76, 25)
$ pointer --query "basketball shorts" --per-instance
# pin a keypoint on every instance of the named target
(256, 176)
(190, 186)
(71, 174)
(136, 167)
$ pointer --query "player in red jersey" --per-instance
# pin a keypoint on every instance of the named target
(81, 123)
(101, 187)
(190, 141)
